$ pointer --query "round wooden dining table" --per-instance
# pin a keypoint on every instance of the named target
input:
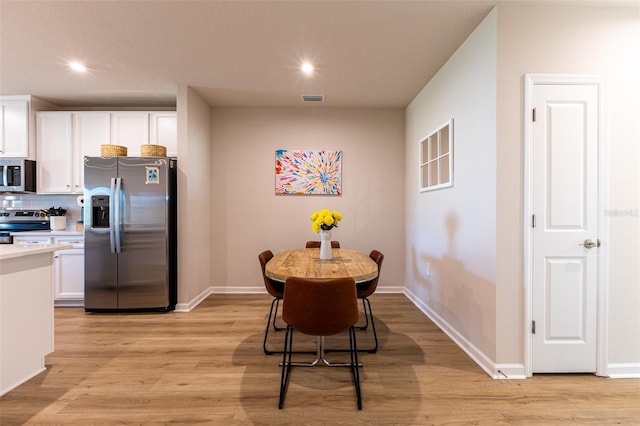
(306, 263)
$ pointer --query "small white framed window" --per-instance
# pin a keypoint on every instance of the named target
(436, 158)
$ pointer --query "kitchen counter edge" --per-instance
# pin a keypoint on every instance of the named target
(12, 251)
(47, 233)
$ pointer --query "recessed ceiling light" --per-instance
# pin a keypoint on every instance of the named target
(306, 68)
(77, 66)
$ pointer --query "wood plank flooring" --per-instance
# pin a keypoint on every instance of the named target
(207, 367)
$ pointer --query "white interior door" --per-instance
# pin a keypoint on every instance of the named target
(565, 228)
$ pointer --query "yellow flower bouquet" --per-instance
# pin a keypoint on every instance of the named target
(325, 220)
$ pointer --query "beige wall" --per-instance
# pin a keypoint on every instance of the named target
(572, 40)
(246, 215)
(454, 229)
(194, 197)
(472, 232)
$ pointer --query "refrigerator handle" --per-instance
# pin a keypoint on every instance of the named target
(117, 218)
(4, 176)
(112, 223)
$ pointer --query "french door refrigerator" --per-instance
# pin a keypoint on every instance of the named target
(130, 234)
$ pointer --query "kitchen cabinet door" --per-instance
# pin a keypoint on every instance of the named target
(14, 129)
(68, 278)
(90, 130)
(130, 129)
(54, 153)
(164, 131)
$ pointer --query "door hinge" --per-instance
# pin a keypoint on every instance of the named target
(533, 220)
(533, 327)
(533, 114)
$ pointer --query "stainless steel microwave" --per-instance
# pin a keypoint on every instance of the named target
(17, 175)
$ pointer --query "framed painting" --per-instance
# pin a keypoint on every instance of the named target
(308, 172)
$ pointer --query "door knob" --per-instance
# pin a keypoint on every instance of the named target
(589, 243)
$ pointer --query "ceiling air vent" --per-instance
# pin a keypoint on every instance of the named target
(312, 98)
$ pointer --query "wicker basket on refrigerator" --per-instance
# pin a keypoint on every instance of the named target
(113, 151)
(150, 150)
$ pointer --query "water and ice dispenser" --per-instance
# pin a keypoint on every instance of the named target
(100, 211)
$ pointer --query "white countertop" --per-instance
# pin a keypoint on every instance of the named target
(47, 233)
(10, 251)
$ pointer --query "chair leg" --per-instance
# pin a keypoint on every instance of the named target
(373, 327)
(275, 315)
(368, 313)
(355, 372)
(266, 331)
(366, 318)
(286, 365)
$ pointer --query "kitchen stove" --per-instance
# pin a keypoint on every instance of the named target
(13, 220)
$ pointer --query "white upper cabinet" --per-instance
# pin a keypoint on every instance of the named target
(54, 145)
(136, 128)
(164, 131)
(14, 128)
(64, 138)
(130, 129)
(90, 130)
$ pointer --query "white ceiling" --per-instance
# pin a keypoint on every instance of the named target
(371, 53)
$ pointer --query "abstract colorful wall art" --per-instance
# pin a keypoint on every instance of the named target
(308, 172)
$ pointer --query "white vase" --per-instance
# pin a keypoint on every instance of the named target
(57, 223)
(325, 245)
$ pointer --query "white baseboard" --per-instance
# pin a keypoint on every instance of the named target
(187, 307)
(509, 371)
(624, 370)
(390, 289)
(502, 371)
(239, 290)
(69, 303)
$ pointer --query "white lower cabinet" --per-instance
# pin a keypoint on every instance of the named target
(31, 240)
(68, 270)
(68, 267)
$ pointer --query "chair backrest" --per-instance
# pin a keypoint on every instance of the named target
(316, 244)
(366, 289)
(274, 288)
(320, 306)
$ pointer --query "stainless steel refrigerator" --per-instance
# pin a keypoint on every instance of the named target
(130, 234)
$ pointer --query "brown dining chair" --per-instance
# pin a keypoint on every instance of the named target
(365, 290)
(320, 307)
(275, 289)
(316, 244)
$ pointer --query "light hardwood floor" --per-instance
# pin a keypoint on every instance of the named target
(207, 367)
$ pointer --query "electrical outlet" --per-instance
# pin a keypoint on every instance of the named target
(428, 269)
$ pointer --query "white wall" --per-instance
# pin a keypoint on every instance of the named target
(472, 232)
(194, 198)
(572, 40)
(454, 229)
(247, 217)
